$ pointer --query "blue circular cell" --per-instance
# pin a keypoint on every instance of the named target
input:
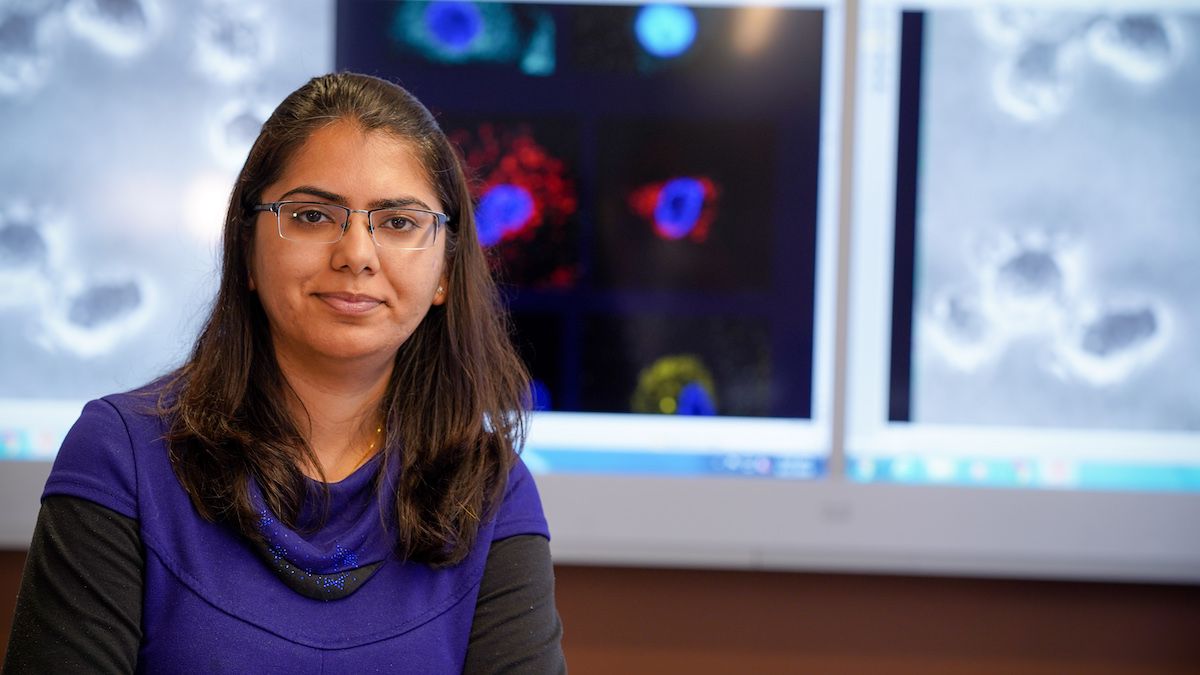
(504, 208)
(540, 394)
(679, 206)
(453, 24)
(665, 31)
(694, 400)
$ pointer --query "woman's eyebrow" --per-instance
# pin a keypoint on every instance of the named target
(405, 201)
(400, 203)
(316, 192)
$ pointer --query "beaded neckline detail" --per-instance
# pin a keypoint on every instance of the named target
(347, 549)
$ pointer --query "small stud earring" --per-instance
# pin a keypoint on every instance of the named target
(439, 290)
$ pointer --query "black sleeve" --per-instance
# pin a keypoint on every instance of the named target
(79, 609)
(516, 627)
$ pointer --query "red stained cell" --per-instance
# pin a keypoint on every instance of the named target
(501, 155)
(673, 218)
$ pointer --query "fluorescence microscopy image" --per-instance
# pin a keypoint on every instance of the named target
(675, 385)
(663, 172)
(650, 38)
(681, 181)
(690, 199)
(665, 31)
(677, 40)
(456, 32)
(124, 125)
(677, 365)
(677, 208)
(1057, 223)
(526, 198)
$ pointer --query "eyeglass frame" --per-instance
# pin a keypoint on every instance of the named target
(439, 222)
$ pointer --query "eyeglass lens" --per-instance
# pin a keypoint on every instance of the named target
(324, 223)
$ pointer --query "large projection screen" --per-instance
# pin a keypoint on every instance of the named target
(821, 437)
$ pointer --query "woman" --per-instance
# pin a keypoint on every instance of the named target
(329, 484)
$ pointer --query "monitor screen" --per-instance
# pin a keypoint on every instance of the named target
(124, 127)
(1023, 306)
(649, 183)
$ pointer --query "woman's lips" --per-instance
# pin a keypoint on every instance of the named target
(349, 303)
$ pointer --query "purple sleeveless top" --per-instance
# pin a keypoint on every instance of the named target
(214, 603)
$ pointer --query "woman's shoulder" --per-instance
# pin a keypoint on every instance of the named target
(148, 400)
(116, 439)
(521, 510)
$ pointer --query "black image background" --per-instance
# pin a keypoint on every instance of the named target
(758, 118)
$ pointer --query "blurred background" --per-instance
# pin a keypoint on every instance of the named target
(862, 331)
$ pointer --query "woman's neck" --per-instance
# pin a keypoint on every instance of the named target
(338, 413)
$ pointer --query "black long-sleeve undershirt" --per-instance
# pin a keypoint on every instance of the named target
(80, 603)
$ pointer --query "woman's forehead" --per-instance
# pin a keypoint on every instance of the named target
(347, 159)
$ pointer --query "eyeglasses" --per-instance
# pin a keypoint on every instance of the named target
(391, 227)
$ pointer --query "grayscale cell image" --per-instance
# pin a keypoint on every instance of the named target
(121, 28)
(1058, 221)
(124, 123)
(235, 40)
(23, 243)
(23, 53)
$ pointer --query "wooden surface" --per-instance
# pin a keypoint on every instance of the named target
(633, 621)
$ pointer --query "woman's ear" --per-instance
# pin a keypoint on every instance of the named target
(439, 296)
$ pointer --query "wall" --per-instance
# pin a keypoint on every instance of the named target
(634, 621)
(699, 622)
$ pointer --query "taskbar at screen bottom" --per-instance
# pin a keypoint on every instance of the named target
(1049, 473)
(574, 461)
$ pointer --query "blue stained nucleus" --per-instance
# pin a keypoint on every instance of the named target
(454, 24)
(504, 208)
(679, 206)
(540, 395)
(694, 400)
(665, 31)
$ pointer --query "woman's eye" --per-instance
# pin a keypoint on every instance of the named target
(399, 223)
(310, 216)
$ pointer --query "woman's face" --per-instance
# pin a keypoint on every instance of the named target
(349, 301)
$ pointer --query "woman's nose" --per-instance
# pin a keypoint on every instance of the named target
(356, 250)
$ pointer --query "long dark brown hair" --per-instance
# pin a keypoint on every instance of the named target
(455, 404)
